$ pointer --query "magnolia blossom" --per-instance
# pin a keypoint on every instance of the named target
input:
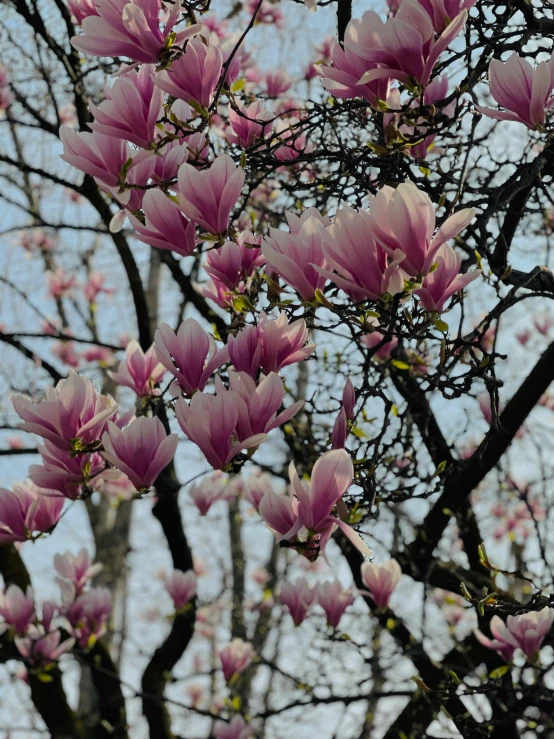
(132, 108)
(379, 339)
(524, 93)
(255, 487)
(63, 472)
(296, 255)
(193, 77)
(81, 9)
(181, 586)
(207, 197)
(140, 371)
(297, 597)
(27, 509)
(248, 123)
(141, 451)
(164, 225)
(526, 631)
(191, 355)
(381, 580)
(339, 433)
(235, 262)
(334, 599)
(237, 728)
(404, 46)
(212, 488)
(341, 79)
(76, 569)
(403, 219)
(445, 280)
(39, 648)
(17, 609)
(130, 29)
(72, 411)
(88, 616)
(292, 137)
(235, 658)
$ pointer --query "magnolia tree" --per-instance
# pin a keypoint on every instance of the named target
(312, 497)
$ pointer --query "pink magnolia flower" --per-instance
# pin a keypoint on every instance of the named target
(296, 255)
(212, 488)
(141, 451)
(341, 79)
(361, 267)
(95, 154)
(194, 75)
(77, 569)
(140, 371)
(60, 284)
(297, 597)
(63, 472)
(164, 225)
(405, 45)
(439, 286)
(375, 338)
(207, 197)
(65, 352)
(257, 414)
(39, 648)
(255, 487)
(237, 728)
(233, 262)
(334, 599)
(292, 137)
(73, 411)
(88, 616)
(526, 631)
(349, 398)
(248, 124)
(235, 658)
(277, 83)
(381, 580)
(130, 29)
(17, 609)
(81, 9)
(94, 286)
(181, 586)
(132, 108)
(170, 157)
(403, 219)
(442, 12)
(191, 355)
(339, 433)
(525, 93)
(26, 510)
(210, 422)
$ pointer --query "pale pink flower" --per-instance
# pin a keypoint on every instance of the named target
(130, 29)
(212, 488)
(292, 137)
(140, 371)
(81, 9)
(237, 728)
(77, 569)
(297, 596)
(442, 12)
(164, 225)
(88, 616)
(17, 609)
(277, 83)
(446, 280)
(194, 76)
(375, 338)
(256, 486)
(349, 398)
(341, 79)
(63, 472)
(181, 586)
(524, 93)
(248, 124)
(235, 658)
(403, 219)
(381, 580)
(141, 451)
(132, 108)
(94, 286)
(233, 262)
(39, 648)
(27, 510)
(296, 255)
(207, 197)
(334, 599)
(95, 154)
(526, 631)
(60, 284)
(65, 352)
(191, 355)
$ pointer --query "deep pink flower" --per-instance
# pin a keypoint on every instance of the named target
(403, 219)
(340, 431)
(524, 93)
(248, 124)
(361, 267)
(194, 76)
(445, 280)
(26, 510)
(405, 45)
(442, 12)
(140, 371)
(297, 597)
(349, 398)
(132, 108)
(526, 631)
(17, 608)
(141, 451)
(191, 356)
(63, 472)
(39, 648)
(334, 599)
(88, 616)
(181, 586)
(235, 658)
(381, 580)
(73, 410)
(207, 197)
(95, 154)
(77, 569)
(296, 255)
(233, 262)
(130, 29)
(164, 225)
